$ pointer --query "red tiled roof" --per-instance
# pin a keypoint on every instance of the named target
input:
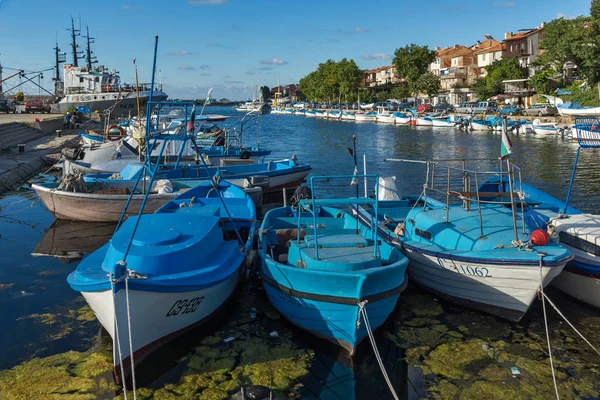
(521, 35)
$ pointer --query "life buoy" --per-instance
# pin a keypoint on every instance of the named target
(112, 137)
(107, 88)
(244, 155)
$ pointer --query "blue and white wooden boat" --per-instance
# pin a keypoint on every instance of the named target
(468, 248)
(334, 114)
(385, 116)
(544, 128)
(402, 118)
(480, 125)
(310, 114)
(289, 111)
(577, 110)
(184, 263)
(320, 114)
(319, 267)
(370, 116)
(577, 231)
(348, 116)
(299, 112)
(272, 176)
(444, 122)
(89, 139)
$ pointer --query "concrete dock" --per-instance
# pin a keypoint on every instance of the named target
(42, 146)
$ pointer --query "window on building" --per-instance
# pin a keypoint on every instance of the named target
(96, 79)
(511, 47)
(80, 80)
(484, 57)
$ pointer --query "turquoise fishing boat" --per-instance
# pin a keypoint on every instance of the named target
(320, 268)
(466, 245)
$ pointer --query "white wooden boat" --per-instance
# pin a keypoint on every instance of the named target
(480, 125)
(443, 123)
(367, 106)
(366, 117)
(576, 110)
(320, 114)
(402, 119)
(385, 116)
(104, 204)
(424, 121)
(580, 233)
(544, 128)
(346, 116)
(334, 114)
(310, 114)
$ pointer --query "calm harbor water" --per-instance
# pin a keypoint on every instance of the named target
(41, 316)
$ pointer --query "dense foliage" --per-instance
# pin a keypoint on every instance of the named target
(412, 63)
(498, 71)
(332, 80)
(265, 93)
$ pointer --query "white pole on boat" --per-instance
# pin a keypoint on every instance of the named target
(510, 185)
(365, 174)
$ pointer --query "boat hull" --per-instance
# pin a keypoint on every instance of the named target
(125, 104)
(365, 118)
(386, 119)
(476, 126)
(331, 321)
(581, 278)
(423, 122)
(156, 317)
(505, 290)
(402, 120)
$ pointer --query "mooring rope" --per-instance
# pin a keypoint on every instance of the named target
(570, 324)
(116, 333)
(130, 339)
(541, 255)
(363, 311)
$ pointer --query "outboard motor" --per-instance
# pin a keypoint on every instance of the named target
(301, 193)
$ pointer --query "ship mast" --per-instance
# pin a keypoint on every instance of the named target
(90, 58)
(74, 33)
(59, 59)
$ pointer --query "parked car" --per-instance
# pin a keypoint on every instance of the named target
(465, 108)
(485, 107)
(425, 108)
(7, 106)
(443, 107)
(540, 110)
(510, 110)
(34, 106)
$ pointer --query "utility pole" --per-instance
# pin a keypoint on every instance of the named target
(90, 59)
(74, 33)
(1, 93)
(59, 59)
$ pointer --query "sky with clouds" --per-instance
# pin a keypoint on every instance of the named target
(232, 45)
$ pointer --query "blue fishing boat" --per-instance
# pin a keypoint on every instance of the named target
(166, 273)
(170, 271)
(272, 176)
(310, 114)
(468, 246)
(319, 268)
(577, 231)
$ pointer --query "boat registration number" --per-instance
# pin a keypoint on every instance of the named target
(185, 306)
(481, 272)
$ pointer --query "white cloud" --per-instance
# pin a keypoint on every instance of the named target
(233, 82)
(179, 53)
(377, 56)
(273, 61)
(250, 73)
(130, 7)
(207, 2)
(360, 29)
(187, 68)
(507, 4)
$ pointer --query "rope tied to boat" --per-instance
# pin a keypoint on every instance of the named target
(516, 244)
(362, 310)
(541, 257)
(73, 183)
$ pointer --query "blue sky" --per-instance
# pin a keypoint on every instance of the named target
(232, 44)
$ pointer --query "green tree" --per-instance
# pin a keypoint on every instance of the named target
(498, 71)
(331, 80)
(400, 92)
(541, 81)
(411, 62)
(429, 84)
(265, 93)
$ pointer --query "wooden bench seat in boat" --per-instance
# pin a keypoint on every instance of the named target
(327, 240)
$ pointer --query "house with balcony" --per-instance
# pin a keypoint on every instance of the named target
(457, 68)
(381, 76)
(524, 45)
(487, 52)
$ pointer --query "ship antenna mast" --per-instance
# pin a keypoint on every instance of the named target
(90, 59)
(74, 33)
(59, 59)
